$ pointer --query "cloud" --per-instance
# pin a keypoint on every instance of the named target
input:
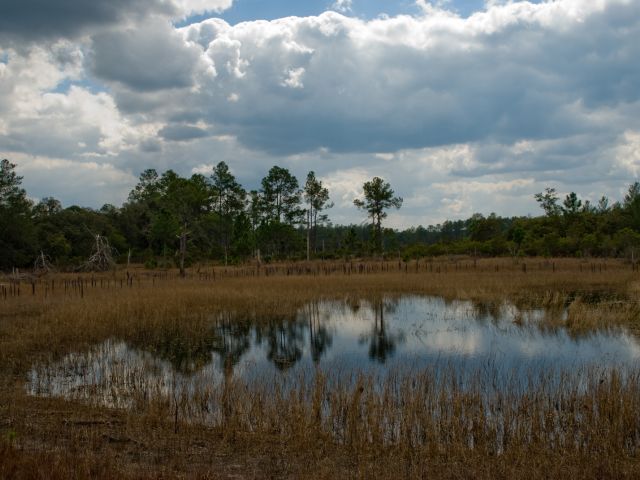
(342, 6)
(627, 154)
(41, 19)
(459, 114)
(414, 82)
(72, 180)
(197, 7)
(144, 58)
(42, 121)
(37, 20)
(294, 78)
(181, 133)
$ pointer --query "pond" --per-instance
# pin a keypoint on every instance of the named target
(499, 343)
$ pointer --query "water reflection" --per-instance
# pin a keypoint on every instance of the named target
(186, 353)
(232, 339)
(382, 343)
(347, 336)
(285, 342)
(320, 338)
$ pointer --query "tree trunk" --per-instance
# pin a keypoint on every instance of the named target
(183, 249)
(309, 235)
(314, 232)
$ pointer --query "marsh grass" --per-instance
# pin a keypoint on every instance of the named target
(440, 407)
(409, 424)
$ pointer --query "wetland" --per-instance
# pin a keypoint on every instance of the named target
(426, 373)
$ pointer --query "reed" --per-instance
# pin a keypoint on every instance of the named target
(132, 422)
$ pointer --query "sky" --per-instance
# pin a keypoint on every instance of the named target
(464, 106)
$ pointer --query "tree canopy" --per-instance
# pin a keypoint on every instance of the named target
(171, 220)
(17, 241)
(378, 197)
(316, 196)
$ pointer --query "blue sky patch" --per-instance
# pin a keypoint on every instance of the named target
(249, 10)
(86, 83)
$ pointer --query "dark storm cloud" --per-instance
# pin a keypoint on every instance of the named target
(35, 20)
(182, 133)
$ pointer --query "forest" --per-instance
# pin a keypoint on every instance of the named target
(168, 219)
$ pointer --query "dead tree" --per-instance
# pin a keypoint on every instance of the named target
(16, 277)
(42, 265)
(101, 259)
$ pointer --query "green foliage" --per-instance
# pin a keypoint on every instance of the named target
(228, 205)
(571, 205)
(280, 195)
(316, 196)
(215, 218)
(483, 229)
(548, 201)
(17, 240)
(632, 205)
(275, 212)
(378, 197)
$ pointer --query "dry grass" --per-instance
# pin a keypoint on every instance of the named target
(412, 425)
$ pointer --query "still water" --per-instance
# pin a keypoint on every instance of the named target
(341, 337)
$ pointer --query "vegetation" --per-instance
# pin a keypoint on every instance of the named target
(169, 220)
(17, 238)
(378, 197)
(316, 196)
(413, 424)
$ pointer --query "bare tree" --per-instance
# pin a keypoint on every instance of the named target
(101, 259)
(42, 265)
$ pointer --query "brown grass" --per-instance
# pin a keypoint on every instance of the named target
(412, 426)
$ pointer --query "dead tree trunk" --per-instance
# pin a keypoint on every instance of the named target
(42, 265)
(101, 259)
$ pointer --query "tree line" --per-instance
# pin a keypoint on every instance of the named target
(170, 220)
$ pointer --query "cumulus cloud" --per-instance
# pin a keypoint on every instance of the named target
(413, 82)
(148, 57)
(43, 121)
(198, 7)
(342, 6)
(294, 78)
(74, 180)
(460, 113)
(627, 154)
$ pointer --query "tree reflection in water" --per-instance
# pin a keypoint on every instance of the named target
(187, 350)
(284, 339)
(382, 342)
(320, 339)
(232, 341)
(210, 352)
